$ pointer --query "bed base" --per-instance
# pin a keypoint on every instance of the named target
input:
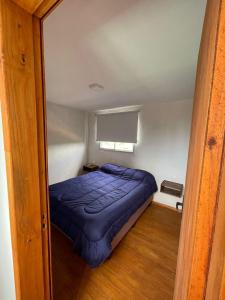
(131, 222)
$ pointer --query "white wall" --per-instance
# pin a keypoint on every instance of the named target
(7, 287)
(162, 149)
(67, 140)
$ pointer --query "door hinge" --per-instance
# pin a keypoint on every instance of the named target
(44, 221)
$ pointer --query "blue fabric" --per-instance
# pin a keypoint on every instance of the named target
(92, 208)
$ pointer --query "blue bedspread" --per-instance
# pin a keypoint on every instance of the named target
(92, 208)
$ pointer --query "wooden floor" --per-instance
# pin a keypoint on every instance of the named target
(141, 267)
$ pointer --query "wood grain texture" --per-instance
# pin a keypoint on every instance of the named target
(42, 152)
(208, 200)
(217, 262)
(28, 5)
(18, 104)
(204, 162)
(141, 267)
(46, 7)
(222, 290)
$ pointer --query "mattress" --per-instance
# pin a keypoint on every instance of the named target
(91, 209)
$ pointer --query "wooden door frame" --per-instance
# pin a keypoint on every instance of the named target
(205, 160)
(22, 100)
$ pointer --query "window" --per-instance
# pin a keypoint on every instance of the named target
(107, 145)
(123, 147)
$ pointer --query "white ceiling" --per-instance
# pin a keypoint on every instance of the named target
(139, 50)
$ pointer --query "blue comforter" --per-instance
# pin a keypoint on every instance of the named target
(92, 208)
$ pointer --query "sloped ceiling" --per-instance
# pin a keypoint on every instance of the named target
(139, 50)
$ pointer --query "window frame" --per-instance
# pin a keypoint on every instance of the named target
(114, 149)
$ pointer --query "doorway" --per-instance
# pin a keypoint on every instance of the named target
(24, 146)
(99, 76)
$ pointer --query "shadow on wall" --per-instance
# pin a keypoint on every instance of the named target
(66, 142)
(64, 125)
(58, 136)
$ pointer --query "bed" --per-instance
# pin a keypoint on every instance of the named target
(97, 209)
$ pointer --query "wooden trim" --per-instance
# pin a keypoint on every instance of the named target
(29, 5)
(222, 289)
(18, 103)
(42, 152)
(38, 8)
(22, 105)
(217, 262)
(46, 7)
(204, 162)
(133, 219)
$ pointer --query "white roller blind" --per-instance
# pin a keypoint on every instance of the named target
(117, 127)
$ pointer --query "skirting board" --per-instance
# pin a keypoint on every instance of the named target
(166, 206)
